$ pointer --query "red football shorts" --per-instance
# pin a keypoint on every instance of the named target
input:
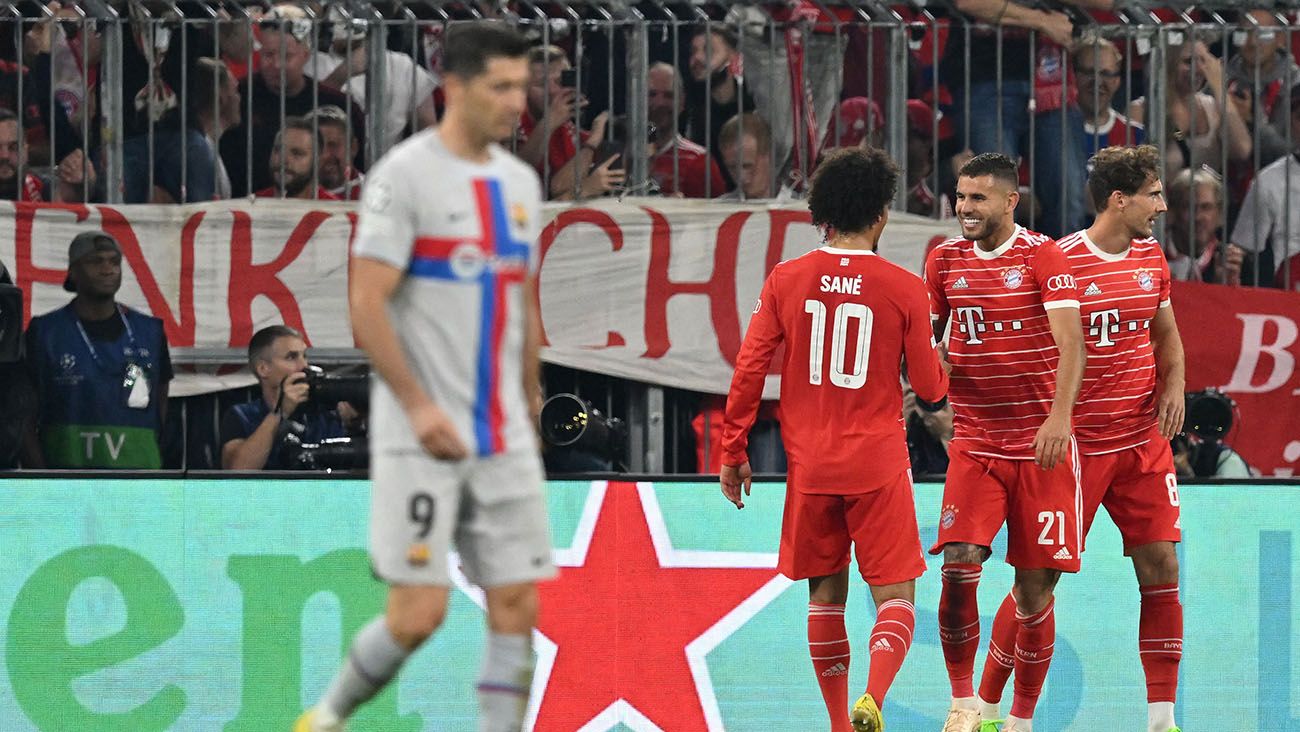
(818, 529)
(1139, 489)
(1041, 509)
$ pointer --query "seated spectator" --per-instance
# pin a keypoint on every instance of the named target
(101, 370)
(408, 87)
(921, 153)
(716, 92)
(285, 35)
(1268, 224)
(339, 148)
(565, 165)
(1197, 134)
(1098, 74)
(1259, 74)
(252, 433)
(746, 142)
(678, 166)
(212, 108)
(1195, 210)
(292, 164)
(65, 185)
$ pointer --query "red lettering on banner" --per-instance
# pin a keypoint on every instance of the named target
(248, 280)
(720, 288)
(26, 273)
(561, 222)
(180, 332)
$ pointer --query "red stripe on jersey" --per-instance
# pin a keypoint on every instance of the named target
(1119, 296)
(1001, 346)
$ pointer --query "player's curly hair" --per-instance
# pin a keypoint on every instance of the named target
(1123, 169)
(852, 188)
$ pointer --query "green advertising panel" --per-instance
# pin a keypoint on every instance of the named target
(226, 605)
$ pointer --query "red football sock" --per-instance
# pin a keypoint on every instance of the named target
(890, 640)
(1034, 642)
(1002, 652)
(828, 645)
(959, 625)
(1160, 640)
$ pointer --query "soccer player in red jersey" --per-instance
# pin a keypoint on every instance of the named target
(1017, 356)
(847, 319)
(1130, 405)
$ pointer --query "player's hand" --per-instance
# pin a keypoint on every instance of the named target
(436, 433)
(1169, 412)
(733, 479)
(1052, 443)
(1057, 26)
(293, 392)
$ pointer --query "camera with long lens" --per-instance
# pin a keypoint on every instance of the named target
(338, 453)
(1209, 414)
(325, 389)
(569, 421)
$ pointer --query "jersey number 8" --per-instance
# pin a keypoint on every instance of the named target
(846, 312)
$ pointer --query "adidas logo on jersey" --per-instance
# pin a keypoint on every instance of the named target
(960, 284)
(838, 669)
(1063, 554)
(881, 645)
(1093, 289)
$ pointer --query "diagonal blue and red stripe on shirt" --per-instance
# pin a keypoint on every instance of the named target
(492, 262)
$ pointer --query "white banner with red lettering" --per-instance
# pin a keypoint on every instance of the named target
(657, 290)
(1244, 341)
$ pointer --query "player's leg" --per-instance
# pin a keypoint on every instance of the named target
(828, 643)
(1044, 538)
(1160, 630)
(815, 546)
(414, 502)
(1144, 506)
(505, 547)
(1096, 473)
(888, 546)
(1035, 638)
(974, 508)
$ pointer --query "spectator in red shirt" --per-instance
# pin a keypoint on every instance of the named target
(339, 148)
(292, 164)
(65, 185)
(679, 166)
(564, 164)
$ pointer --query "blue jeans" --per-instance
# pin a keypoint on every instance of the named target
(1059, 164)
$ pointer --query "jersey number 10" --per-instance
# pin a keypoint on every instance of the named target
(846, 313)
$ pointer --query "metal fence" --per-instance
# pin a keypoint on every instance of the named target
(115, 103)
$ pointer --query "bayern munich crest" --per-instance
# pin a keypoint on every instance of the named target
(1144, 279)
(948, 517)
(1012, 278)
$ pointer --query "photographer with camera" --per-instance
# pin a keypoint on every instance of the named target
(253, 435)
(1199, 452)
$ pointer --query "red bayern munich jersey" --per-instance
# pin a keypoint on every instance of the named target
(847, 319)
(1119, 295)
(1001, 348)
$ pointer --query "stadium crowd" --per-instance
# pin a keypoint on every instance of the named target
(271, 101)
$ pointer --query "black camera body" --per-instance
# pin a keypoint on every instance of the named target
(1209, 414)
(338, 453)
(569, 421)
(324, 389)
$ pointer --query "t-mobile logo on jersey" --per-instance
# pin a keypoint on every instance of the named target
(970, 320)
(1104, 323)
